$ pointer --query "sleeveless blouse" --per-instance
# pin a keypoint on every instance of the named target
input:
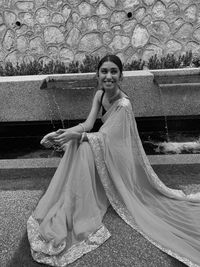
(101, 104)
(101, 100)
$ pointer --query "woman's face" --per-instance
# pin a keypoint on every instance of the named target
(109, 76)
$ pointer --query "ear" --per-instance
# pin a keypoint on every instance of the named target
(121, 77)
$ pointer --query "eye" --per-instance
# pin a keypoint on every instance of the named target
(114, 71)
(104, 71)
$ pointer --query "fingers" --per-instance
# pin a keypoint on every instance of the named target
(46, 144)
(59, 138)
(63, 147)
(56, 139)
(60, 131)
(62, 142)
(48, 138)
(50, 135)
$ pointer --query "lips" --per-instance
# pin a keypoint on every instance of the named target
(108, 82)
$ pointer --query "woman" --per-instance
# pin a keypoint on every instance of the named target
(109, 167)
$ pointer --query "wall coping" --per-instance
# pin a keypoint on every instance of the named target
(140, 73)
(67, 75)
(176, 72)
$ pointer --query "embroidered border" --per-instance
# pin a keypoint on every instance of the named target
(96, 142)
(44, 252)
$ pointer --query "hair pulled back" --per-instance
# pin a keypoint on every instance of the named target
(111, 58)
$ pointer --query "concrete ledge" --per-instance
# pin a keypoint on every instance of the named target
(176, 72)
(185, 159)
(29, 163)
(23, 100)
(178, 159)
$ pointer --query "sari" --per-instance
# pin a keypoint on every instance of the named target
(111, 169)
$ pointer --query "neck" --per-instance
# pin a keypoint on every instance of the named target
(113, 94)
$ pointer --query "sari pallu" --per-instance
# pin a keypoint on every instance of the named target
(116, 169)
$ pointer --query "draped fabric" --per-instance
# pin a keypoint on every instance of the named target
(111, 168)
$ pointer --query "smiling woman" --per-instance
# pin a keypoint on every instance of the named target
(109, 76)
(109, 167)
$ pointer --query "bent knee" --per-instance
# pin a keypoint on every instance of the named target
(85, 149)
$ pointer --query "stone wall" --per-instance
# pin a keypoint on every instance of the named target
(69, 29)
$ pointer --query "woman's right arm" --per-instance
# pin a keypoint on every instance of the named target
(80, 128)
(88, 124)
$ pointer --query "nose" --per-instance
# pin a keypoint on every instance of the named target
(108, 75)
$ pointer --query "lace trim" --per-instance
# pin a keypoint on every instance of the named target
(96, 142)
(45, 252)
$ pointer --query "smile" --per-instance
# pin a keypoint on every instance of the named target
(108, 82)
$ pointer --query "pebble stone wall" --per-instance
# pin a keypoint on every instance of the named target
(67, 30)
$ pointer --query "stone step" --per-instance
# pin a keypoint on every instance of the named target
(40, 163)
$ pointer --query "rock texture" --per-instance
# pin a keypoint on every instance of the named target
(66, 29)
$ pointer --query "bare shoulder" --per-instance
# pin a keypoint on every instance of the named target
(98, 95)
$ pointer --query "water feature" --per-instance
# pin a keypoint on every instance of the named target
(56, 114)
(164, 114)
(167, 85)
(26, 143)
(59, 110)
(54, 108)
(50, 110)
(181, 143)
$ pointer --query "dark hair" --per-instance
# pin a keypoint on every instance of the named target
(111, 58)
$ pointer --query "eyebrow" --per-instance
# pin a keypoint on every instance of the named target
(114, 68)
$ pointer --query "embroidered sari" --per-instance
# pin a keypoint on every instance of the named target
(111, 168)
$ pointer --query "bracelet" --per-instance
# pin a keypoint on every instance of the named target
(82, 127)
(82, 137)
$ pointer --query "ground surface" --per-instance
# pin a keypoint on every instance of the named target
(20, 191)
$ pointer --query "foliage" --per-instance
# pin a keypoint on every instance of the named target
(53, 67)
(170, 61)
(74, 67)
(134, 65)
(32, 68)
(196, 61)
(90, 63)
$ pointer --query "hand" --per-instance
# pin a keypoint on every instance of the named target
(48, 140)
(60, 131)
(62, 138)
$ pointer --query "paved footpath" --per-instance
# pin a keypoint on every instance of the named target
(20, 191)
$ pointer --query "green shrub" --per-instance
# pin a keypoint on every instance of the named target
(74, 67)
(135, 65)
(90, 63)
(196, 61)
(170, 61)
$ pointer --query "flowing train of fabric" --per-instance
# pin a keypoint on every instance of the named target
(166, 217)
